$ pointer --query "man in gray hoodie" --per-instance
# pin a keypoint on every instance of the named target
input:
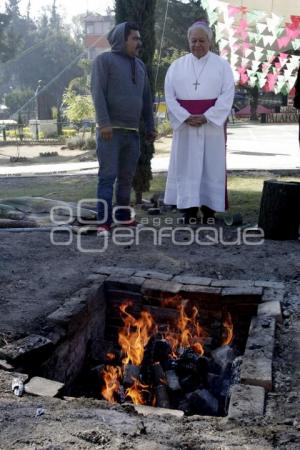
(121, 94)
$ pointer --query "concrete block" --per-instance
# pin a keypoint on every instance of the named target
(43, 387)
(246, 401)
(186, 279)
(150, 410)
(271, 309)
(130, 283)
(4, 365)
(96, 278)
(269, 284)
(233, 283)
(153, 274)
(257, 372)
(271, 294)
(256, 368)
(161, 286)
(68, 311)
(25, 347)
(112, 270)
(201, 289)
(252, 294)
(77, 304)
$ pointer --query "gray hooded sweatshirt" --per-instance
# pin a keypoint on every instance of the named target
(120, 87)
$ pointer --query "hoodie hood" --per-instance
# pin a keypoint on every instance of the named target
(116, 38)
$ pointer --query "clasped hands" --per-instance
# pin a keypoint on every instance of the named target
(196, 120)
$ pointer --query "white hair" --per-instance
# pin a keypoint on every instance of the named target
(202, 26)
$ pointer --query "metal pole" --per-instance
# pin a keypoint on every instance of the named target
(37, 109)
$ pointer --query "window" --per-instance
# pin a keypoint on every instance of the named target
(90, 29)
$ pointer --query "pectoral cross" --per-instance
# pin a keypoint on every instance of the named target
(196, 85)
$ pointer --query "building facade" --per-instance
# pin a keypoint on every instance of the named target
(96, 27)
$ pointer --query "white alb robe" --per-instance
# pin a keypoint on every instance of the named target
(197, 169)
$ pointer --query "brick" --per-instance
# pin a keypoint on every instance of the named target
(112, 270)
(246, 401)
(150, 410)
(271, 294)
(43, 387)
(153, 274)
(161, 286)
(186, 279)
(271, 309)
(25, 347)
(269, 284)
(233, 283)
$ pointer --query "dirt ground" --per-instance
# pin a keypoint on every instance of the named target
(36, 277)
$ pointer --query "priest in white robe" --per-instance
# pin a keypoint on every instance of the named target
(199, 92)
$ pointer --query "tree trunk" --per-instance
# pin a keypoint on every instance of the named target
(141, 12)
(279, 214)
(253, 103)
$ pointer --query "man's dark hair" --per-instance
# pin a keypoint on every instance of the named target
(130, 26)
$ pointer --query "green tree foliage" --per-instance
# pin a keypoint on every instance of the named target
(162, 66)
(5, 50)
(180, 17)
(9, 39)
(46, 51)
(78, 107)
(16, 98)
(141, 12)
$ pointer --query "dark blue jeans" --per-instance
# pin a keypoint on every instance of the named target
(118, 159)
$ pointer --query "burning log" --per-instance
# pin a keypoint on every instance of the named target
(161, 351)
(131, 373)
(191, 363)
(203, 402)
(162, 397)
(190, 383)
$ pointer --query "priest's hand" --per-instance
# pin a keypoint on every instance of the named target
(106, 133)
(196, 120)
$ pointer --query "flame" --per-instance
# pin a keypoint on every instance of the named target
(111, 377)
(188, 333)
(135, 392)
(228, 328)
(110, 356)
(134, 335)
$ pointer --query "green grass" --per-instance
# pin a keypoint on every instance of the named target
(244, 191)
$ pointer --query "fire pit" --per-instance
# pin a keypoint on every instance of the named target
(172, 351)
(193, 344)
